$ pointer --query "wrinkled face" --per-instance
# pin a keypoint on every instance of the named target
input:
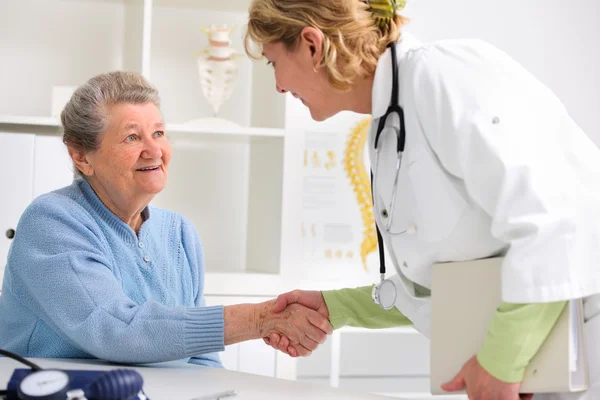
(295, 72)
(131, 164)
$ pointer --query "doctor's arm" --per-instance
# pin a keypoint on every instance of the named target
(355, 307)
(514, 336)
(343, 307)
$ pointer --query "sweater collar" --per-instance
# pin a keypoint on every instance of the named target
(107, 215)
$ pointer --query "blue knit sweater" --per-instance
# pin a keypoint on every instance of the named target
(80, 283)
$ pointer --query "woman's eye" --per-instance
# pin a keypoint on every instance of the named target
(130, 138)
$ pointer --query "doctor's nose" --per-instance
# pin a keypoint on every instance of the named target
(280, 89)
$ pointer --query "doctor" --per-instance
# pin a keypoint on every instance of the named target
(471, 157)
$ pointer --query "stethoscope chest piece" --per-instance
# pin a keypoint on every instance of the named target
(384, 294)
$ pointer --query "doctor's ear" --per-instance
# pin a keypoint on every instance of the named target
(313, 39)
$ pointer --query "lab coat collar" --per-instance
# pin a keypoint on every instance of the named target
(382, 85)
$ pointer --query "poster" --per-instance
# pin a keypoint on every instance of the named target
(337, 221)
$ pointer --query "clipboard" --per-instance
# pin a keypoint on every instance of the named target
(474, 288)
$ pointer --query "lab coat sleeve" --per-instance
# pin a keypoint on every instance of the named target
(496, 128)
(64, 277)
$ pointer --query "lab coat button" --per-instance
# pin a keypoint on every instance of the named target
(404, 264)
(496, 121)
(147, 258)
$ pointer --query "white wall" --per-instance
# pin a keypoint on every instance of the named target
(557, 41)
(48, 42)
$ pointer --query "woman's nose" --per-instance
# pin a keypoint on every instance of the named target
(280, 89)
(152, 149)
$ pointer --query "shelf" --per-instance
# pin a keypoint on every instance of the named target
(222, 5)
(188, 131)
(230, 131)
(36, 121)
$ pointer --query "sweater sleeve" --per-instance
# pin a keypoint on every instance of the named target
(355, 307)
(514, 336)
(61, 272)
(195, 253)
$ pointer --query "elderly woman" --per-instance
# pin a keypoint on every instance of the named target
(95, 271)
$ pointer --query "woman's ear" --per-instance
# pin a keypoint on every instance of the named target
(81, 161)
(313, 40)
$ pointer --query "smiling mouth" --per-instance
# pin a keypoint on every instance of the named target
(154, 168)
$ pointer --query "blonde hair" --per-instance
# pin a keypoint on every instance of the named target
(354, 37)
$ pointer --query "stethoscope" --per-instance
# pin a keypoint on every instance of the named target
(384, 293)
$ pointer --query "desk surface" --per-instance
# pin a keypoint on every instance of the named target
(175, 380)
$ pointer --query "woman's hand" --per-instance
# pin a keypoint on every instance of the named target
(312, 299)
(304, 328)
(481, 385)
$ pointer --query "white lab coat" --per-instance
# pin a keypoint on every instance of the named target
(492, 164)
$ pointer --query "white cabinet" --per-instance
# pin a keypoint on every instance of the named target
(16, 171)
(30, 165)
(53, 167)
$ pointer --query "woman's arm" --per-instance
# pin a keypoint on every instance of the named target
(61, 274)
(244, 322)
(304, 327)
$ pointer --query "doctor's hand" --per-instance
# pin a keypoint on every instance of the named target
(304, 328)
(481, 385)
(312, 299)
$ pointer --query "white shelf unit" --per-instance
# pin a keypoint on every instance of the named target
(65, 42)
(228, 180)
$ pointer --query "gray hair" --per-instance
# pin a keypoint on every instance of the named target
(85, 117)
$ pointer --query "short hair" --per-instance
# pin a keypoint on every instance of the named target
(85, 117)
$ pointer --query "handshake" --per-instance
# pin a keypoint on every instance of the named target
(296, 323)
